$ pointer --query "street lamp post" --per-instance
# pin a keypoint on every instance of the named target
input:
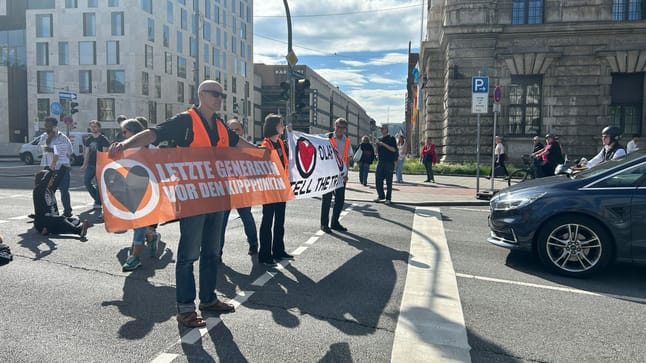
(291, 60)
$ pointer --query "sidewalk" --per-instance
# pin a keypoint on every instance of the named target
(446, 191)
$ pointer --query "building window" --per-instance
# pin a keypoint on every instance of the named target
(116, 22)
(216, 57)
(43, 108)
(45, 81)
(158, 87)
(181, 67)
(525, 102)
(113, 3)
(180, 44)
(168, 113)
(168, 63)
(151, 30)
(206, 31)
(216, 15)
(192, 47)
(166, 36)
(112, 52)
(152, 112)
(145, 84)
(87, 52)
(149, 56)
(183, 20)
(63, 53)
(147, 6)
(92, 3)
(625, 110)
(205, 53)
(191, 95)
(89, 24)
(207, 9)
(105, 109)
(42, 54)
(44, 26)
(628, 10)
(71, 4)
(169, 12)
(180, 92)
(85, 81)
(116, 81)
(527, 12)
(234, 85)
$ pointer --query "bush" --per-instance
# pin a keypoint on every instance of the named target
(414, 166)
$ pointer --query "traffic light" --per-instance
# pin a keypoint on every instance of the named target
(302, 95)
(74, 107)
(284, 95)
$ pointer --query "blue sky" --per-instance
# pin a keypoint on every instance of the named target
(359, 46)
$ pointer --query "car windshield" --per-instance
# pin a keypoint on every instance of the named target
(610, 164)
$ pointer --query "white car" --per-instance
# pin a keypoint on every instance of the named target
(32, 152)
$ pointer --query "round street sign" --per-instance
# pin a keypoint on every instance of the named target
(55, 108)
(68, 120)
(497, 94)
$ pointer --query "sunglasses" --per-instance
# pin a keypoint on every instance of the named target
(215, 93)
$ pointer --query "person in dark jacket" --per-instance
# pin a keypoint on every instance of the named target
(47, 220)
(387, 154)
(367, 158)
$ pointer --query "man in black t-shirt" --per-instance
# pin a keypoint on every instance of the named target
(387, 156)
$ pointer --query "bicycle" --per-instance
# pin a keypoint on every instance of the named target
(529, 172)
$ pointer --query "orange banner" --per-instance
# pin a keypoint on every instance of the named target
(148, 186)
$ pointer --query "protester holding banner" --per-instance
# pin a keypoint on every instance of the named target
(245, 213)
(200, 126)
(272, 247)
(386, 156)
(342, 146)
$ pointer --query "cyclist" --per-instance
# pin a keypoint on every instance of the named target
(611, 148)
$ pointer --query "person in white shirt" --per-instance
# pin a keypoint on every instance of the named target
(57, 149)
(632, 144)
(611, 150)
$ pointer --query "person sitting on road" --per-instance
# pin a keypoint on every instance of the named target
(611, 150)
(46, 217)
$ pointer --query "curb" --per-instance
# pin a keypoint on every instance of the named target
(464, 203)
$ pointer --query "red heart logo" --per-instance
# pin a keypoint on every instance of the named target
(305, 157)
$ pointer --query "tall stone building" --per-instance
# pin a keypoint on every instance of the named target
(565, 67)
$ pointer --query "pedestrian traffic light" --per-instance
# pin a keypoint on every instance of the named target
(74, 107)
(284, 95)
(302, 96)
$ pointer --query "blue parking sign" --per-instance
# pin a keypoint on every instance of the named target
(479, 84)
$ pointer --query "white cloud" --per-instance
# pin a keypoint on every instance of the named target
(344, 78)
(384, 105)
(386, 59)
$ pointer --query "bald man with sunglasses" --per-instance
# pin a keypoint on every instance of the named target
(199, 126)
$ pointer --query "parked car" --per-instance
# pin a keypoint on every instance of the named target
(577, 226)
(31, 152)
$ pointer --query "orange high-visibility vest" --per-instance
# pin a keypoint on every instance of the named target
(201, 137)
(345, 151)
(270, 145)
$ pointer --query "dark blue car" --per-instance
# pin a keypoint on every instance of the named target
(579, 225)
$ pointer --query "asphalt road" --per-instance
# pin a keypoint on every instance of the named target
(65, 300)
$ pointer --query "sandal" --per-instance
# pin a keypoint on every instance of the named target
(191, 320)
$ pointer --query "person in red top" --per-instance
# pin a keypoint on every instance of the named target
(429, 157)
(200, 126)
(342, 144)
(272, 247)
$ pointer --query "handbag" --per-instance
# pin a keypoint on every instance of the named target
(357, 154)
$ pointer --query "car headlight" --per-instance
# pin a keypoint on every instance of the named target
(506, 201)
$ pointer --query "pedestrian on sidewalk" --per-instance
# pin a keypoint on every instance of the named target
(386, 156)
(57, 150)
(428, 158)
(245, 213)
(367, 158)
(401, 149)
(199, 126)
(93, 143)
(501, 157)
(272, 245)
(341, 143)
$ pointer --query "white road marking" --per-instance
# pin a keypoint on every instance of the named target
(3, 221)
(431, 321)
(312, 240)
(18, 218)
(165, 358)
(299, 250)
(553, 288)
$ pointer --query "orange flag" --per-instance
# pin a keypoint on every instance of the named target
(148, 186)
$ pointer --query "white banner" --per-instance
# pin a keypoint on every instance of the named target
(315, 166)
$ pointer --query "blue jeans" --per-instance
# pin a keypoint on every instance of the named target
(64, 188)
(400, 165)
(199, 238)
(364, 169)
(139, 236)
(90, 174)
(249, 227)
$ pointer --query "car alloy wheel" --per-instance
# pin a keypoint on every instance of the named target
(574, 246)
(28, 158)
